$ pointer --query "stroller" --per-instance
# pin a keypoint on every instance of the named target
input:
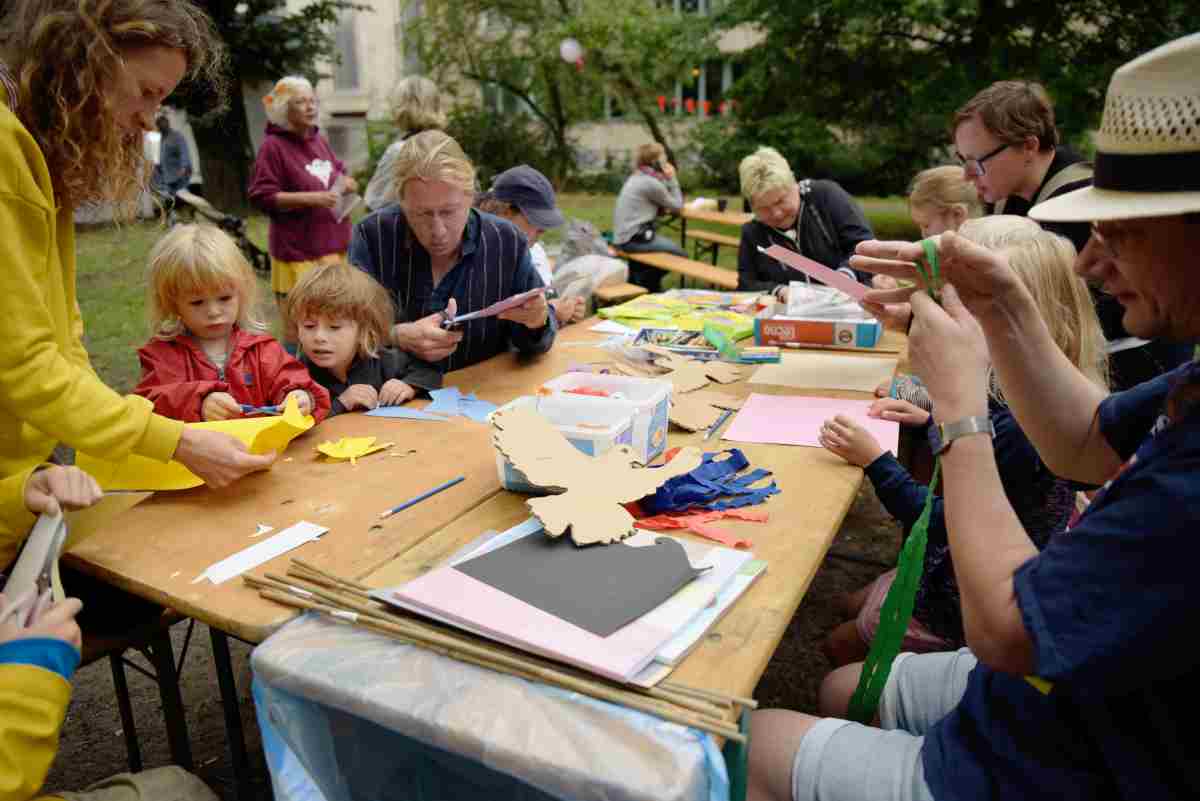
(230, 224)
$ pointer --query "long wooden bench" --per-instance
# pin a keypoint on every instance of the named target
(617, 293)
(710, 242)
(685, 268)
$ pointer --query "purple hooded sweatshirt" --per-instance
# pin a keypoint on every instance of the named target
(287, 162)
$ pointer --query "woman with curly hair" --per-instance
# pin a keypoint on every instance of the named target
(80, 81)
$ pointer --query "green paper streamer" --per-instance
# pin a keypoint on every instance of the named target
(897, 608)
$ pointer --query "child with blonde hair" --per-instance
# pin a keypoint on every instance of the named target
(209, 357)
(1043, 502)
(344, 316)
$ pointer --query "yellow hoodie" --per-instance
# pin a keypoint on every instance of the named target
(34, 693)
(48, 390)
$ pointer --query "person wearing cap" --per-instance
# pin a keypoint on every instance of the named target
(439, 258)
(525, 197)
(1078, 683)
(1008, 143)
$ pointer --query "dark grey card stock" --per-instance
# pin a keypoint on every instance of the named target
(600, 588)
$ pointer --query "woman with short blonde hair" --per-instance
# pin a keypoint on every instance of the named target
(817, 219)
(416, 107)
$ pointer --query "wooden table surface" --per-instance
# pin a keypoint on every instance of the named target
(734, 218)
(157, 548)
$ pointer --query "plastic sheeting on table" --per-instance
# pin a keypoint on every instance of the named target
(365, 716)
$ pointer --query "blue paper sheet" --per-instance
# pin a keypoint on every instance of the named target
(445, 401)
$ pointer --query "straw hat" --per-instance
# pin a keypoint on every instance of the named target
(1148, 149)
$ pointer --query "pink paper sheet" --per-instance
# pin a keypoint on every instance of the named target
(796, 420)
(460, 600)
(818, 271)
(500, 306)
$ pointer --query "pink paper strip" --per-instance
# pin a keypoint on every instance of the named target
(500, 305)
(818, 271)
(796, 420)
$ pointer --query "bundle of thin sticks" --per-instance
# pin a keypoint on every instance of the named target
(310, 588)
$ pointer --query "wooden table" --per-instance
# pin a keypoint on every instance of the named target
(735, 218)
(157, 548)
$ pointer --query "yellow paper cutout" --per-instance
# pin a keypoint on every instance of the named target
(259, 434)
(351, 448)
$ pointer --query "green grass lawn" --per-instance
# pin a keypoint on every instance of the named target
(112, 264)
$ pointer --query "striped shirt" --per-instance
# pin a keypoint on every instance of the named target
(494, 265)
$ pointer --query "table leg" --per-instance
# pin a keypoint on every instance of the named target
(162, 654)
(233, 715)
(125, 708)
(683, 232)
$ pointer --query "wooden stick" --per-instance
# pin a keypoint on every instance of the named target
(495, 660)
(697, 692)
(313, 568)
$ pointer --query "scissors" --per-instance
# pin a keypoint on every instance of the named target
(451, 323)
(31, 576)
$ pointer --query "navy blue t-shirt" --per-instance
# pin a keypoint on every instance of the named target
(1111, 610)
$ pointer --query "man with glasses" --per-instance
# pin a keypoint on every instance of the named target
(1006, 139)
(438, 257)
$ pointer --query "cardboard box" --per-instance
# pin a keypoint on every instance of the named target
(772, 326)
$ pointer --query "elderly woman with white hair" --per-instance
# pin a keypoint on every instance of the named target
(817, 219)
(416, 107)
(298, 181)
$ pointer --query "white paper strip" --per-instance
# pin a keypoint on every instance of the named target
(265, 551)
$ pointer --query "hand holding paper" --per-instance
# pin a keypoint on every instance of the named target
(816, 270)
(503, 306)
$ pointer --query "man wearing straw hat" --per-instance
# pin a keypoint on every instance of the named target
(1079, 682)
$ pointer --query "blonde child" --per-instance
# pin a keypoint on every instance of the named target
(210, 358)
(344, 316)
(940, 199)
(1042, 501)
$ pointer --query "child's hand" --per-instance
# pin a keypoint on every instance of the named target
(395, 392)
(901, 411)
(849, 440)
(220, 406)
(304, 401)
(49, 491)
(360, 396)
(56, 621)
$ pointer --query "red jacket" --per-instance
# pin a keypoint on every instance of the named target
(177, 375)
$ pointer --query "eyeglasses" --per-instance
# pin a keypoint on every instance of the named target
(1111, 236)
(974, 167)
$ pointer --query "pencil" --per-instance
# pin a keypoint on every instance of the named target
(720, 422)
(421, 497)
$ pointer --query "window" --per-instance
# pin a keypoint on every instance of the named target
(346, 75)
(410, 12)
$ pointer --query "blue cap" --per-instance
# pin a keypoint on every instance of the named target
(530, 191)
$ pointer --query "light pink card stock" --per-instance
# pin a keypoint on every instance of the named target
(455, 598)
(796, 420)
(817, 270)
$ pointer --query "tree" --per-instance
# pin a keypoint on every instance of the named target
(632, 48)
(265, 43)
(867, 87)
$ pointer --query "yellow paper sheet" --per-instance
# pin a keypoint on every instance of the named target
(826, 371)
(351, 448)
(260, 435)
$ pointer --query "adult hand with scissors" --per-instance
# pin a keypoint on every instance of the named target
(53, 620)
(425, 338)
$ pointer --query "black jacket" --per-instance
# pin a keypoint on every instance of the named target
(830, 224)
(390, 363)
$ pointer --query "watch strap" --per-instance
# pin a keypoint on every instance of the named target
(948, 432)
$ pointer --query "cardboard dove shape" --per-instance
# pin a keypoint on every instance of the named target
(593, 487)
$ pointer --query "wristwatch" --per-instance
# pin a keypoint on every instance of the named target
(942, 434)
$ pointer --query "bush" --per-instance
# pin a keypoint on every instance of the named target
(495, 142)
(864, 164)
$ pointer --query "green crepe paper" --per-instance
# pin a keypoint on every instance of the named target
(897, 608)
